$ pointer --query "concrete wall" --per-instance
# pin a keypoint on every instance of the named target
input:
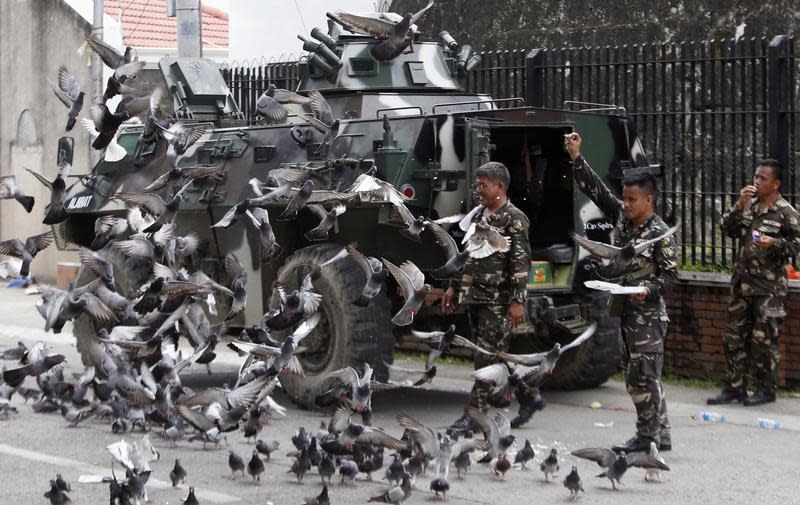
(35, 37)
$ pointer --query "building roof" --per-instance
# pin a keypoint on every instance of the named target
(145, 23)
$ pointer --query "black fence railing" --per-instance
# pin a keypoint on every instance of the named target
(706, 111)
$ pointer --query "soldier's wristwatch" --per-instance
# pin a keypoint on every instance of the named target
(578, 160)
(519, 299)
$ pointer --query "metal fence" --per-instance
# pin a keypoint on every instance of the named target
(706, 111)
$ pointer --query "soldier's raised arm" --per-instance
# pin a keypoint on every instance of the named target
(736, 222)
(588, 181)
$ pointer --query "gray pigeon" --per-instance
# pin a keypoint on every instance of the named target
(616, 466)
(269, 246)
(439, 485)
(321, 499)
(14, 353)
(56, 213)
(546, 361)
(394, 31)
(620, 255)
(178, 474)
(373, 272)
(298, 200)
(9, 189)
(57, 496)
(497, 430)
(328, 220)
(106, 229)
(238, 276)
(326, 468)
(412, 281)
(573, 483)
(255, 467)
(152, 203)
(550, 465)
(270, 109)
(267, 448)
(70, 94)
(27, 251)
(98, 265)
(455, 259)
(348, 469)
(525, 455)
(14, 377)
(396, 494)
(191, 499)
(236, 464)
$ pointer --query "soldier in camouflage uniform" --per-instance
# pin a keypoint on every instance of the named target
(643, 317)
(493, 289)
(768, 231)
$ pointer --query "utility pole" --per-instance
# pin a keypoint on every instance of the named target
(189, 27)
(97, 68)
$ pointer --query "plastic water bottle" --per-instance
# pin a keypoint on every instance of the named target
(709, 417)
(768, 424)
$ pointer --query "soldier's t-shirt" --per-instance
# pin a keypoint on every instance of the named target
(502, 276)
(759, 271)
(656, 267)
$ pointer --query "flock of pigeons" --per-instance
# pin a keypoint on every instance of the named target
(134, 365)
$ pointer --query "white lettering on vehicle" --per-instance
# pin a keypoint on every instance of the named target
(80, 202)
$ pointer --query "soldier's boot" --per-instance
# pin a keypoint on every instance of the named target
(728, 395)
(462, 427)
(760, 397)
(635, 444)
(527, 407)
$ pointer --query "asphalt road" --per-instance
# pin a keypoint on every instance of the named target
(731, 462)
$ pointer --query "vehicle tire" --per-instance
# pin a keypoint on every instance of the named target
(128, 278)
(347, 335)
(592, 363)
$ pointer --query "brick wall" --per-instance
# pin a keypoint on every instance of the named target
(698, 312)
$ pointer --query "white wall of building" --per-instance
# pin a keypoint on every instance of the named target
(269, 28)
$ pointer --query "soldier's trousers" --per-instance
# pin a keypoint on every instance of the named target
(643, 382)
(490, 330)
(754, 324)
(643, 358)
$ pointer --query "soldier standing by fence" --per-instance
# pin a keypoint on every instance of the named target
(768, 230)
(493, 289)
(643, 316)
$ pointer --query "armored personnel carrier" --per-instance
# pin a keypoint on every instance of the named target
(410, 120)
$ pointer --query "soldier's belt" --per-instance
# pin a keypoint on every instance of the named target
(642, 272)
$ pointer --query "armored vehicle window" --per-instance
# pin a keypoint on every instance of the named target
(361, 66)
(417, 71)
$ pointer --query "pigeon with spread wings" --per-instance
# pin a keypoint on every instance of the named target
(27, 251)
(394, 31)
(616, 465)
(412, 281)
(440, 342)
(620, 255)
(10, 189)
(57, 213)
(70, 93)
